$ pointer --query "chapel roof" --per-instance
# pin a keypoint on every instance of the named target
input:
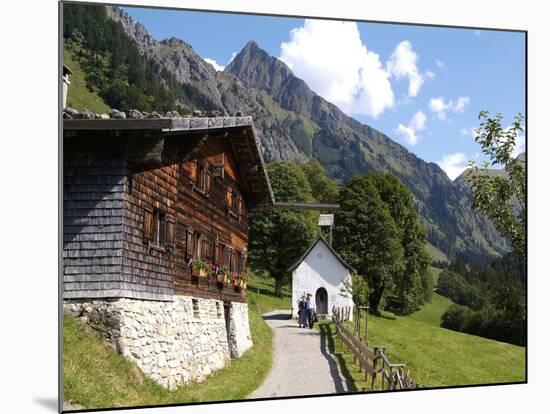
(321, 239)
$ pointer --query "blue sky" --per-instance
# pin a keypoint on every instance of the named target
(421, 86)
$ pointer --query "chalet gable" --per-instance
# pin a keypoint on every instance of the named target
(154, 142)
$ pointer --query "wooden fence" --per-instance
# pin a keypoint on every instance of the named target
(372, 361)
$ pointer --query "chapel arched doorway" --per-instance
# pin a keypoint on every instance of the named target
(321, 300)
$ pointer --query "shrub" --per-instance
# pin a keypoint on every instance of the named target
(456, 317)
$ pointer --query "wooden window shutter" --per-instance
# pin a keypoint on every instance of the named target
(215, 253)
(206, 253)
(189, 242)
(229, 194)
(148, 219)
(170, 232)
(207, 178)
(193, 171)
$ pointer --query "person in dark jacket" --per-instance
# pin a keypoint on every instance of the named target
(302, 311)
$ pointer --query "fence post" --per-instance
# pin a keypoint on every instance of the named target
(366, 321)
(374, 363)
(359, 322)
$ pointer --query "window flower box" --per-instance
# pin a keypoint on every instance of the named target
(200, 269)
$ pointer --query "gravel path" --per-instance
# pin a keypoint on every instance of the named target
(302, 364)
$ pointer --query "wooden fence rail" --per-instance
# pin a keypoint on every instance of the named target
(374, 361)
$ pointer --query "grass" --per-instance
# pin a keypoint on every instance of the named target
(79, 96)
(97, 377)
(435, 253)
(435, 271)
(431, 312)
(441, 357)
(435, 356)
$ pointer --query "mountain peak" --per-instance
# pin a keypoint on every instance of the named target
(259, 70)
(175, 42)
(250, 54)
(251, 45)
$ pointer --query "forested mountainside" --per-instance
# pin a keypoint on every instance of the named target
(128, 68)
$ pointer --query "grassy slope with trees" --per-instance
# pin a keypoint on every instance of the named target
(492, 299)
(96, 376)
(79, 96)
(435, 356)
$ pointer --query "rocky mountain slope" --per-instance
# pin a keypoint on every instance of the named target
(295, 123)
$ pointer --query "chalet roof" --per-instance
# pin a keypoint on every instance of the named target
(239, 130)
(320, 238)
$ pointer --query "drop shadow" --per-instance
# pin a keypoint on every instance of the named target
(51, 404)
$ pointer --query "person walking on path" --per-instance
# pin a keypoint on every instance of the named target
(310, 307)
(302, 311)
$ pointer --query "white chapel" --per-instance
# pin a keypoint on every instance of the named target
(322, 272)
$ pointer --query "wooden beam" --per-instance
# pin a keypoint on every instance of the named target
(306, 206)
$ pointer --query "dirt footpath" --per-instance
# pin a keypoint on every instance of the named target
(302, 364)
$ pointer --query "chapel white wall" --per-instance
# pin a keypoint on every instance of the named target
(320, 268)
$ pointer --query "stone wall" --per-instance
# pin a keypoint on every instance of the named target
(172, 342)
(240, 339)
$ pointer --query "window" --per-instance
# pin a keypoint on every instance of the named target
(233, 202)
(216, 253)
(158, 229)
(240, 262)
(189, 242)
(196, 312)
(226, 257)
(199, 246)
(202, 177)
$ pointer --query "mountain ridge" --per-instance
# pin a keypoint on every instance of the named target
(295, 123)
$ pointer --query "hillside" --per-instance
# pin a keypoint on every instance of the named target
(440, 357)
(79, 96)
(294, 123)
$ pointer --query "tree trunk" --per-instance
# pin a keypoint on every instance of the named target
(374, 301)
(278, 287)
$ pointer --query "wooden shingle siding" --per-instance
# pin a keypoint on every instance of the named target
(148, 190)
(92, 223)
(209, 216)
(111, 193)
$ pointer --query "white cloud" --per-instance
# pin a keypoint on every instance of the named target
(470, 131)
(332, 59)
(477, 33)
(416, 124)
(440, 107)
(520, 145)
(453, 164)
(461, 103)
(216, 65)
(440, 64)
(402, 64)
(232, 57)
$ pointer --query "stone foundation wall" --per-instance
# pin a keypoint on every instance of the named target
(172, 342)
(240, 339)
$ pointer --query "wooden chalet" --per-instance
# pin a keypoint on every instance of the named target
(147, 202)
